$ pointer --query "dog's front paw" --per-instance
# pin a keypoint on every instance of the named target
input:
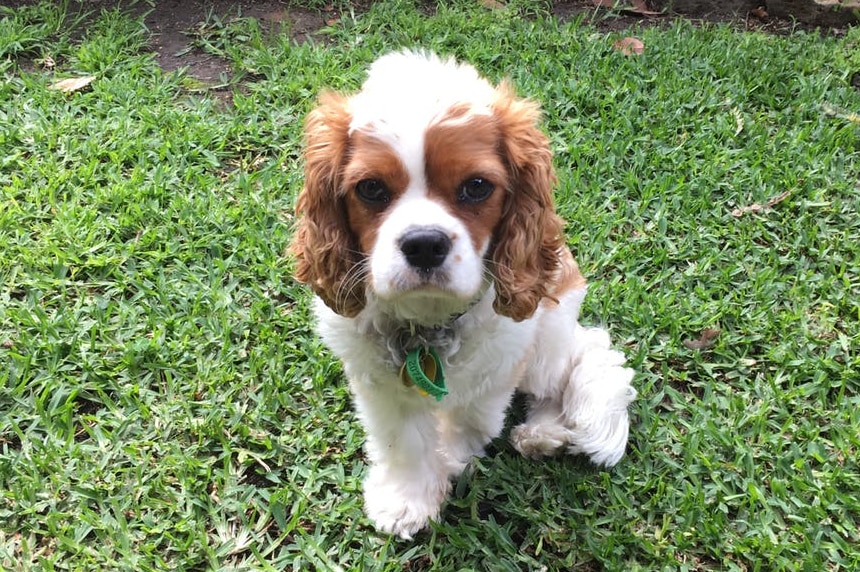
(595, 407)
(398, 506)
(539, 440)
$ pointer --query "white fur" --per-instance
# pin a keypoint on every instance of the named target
(406, 91)
(461, 277)
(415, 445)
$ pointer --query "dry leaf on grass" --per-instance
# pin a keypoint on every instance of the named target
(755, 207)
(492, 4)
(640, 8)
(707, 338)
(47, 62)
(834, 111)
(72, 84)
(629, 46)
(739, 121)
(759, 13)
(634, 8)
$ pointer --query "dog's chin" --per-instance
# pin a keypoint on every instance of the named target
(429, 304)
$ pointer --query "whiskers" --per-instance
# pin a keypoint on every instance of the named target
(354, 278)
(490, 274)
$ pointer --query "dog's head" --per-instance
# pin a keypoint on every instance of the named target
(423, 187)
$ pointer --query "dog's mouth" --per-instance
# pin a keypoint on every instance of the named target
(431, 282)
(428, 299)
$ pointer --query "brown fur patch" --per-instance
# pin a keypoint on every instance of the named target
(324, 247)
(568, 275)
(529, 238)
(371, 159)
(457, 149)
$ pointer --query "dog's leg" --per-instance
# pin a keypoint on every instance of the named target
(407, 480)
(547, 376)
(595, 400)
(580, 391)
(466, 430)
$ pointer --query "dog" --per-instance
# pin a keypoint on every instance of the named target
(428, 232)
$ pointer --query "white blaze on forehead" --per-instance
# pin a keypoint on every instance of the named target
(405, 92)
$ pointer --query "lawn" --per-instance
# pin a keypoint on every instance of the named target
(164, 404)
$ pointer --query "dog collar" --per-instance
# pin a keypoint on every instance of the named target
(423, 369)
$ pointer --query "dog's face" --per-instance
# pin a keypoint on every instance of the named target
(423, 188)
(424, 205)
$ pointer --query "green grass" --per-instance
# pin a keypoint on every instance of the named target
(165, 405)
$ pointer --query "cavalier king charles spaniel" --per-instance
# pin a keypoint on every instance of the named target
(428, 232)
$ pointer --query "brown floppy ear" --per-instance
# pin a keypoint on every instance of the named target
(528, 239)
(325, 249)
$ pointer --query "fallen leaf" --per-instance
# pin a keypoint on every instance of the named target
(72, 84)
(778, 198)
(739, 121)
(759, 13)
(645, 13)
(707, 338)
(753, 208)
(629, 46)
(635, 8)
(639, 8)
(840, 113)
(492, 4)
(756, 207)
(47, 62)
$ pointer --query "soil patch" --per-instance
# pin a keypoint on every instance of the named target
(173, 22)
(170, 22)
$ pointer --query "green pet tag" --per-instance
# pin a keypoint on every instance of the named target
(423, 369)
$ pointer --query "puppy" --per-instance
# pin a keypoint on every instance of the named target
(427, 231)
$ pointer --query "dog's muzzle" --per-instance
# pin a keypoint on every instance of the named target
(425, 249)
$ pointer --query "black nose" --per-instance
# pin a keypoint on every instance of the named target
(425, 248)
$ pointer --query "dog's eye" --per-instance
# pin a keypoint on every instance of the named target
(372, 191)
(475, 190)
